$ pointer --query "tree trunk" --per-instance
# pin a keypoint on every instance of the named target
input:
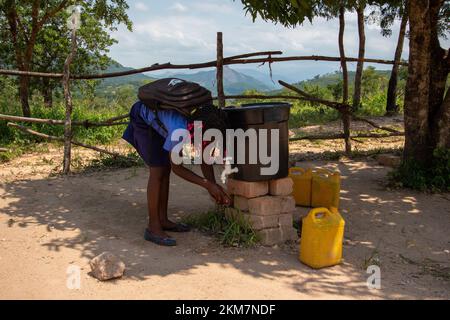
(47, 93)
(361, 54)
(345, 115)
(24, 93)
(425, 108)
(391, 103)
(440, 68)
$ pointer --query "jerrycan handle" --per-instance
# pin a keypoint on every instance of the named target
(314, 212)
(322, 172)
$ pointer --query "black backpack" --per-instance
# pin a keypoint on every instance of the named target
(173, 93)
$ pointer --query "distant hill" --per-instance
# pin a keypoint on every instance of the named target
(263, 76)
(332, 78)
(235, 82)
(135, 80)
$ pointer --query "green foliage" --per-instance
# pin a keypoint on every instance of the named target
(375, 105)
(231, 231)
(39, 38)
(329, 87)
(291, 13)
(386, 15)
(96, 111)
(303, 114)
(435, 178)
(336, 89)
(372, 82)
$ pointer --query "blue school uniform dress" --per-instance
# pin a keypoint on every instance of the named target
(151, 135)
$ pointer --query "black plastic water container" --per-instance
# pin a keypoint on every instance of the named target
(269, 115)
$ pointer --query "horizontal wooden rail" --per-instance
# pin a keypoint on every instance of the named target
(49, 137)
(342, 136)
(153, 67)
(313, 58)
(84, 123)
(227, 61)
(262, 97)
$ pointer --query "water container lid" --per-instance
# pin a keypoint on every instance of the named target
(258, 113)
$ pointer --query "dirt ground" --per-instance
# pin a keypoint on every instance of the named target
(48, 223)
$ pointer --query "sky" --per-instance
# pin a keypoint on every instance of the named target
(185, 32)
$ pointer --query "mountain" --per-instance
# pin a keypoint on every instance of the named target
(235, 82)
(135, 80)
(263, 76)
(332, 78)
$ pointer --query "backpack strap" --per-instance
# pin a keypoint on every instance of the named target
(159, 122)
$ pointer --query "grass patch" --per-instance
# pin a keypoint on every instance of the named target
(15, 151)
(230, 230)
(414, 175)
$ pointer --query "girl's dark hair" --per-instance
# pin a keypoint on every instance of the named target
(211, 116)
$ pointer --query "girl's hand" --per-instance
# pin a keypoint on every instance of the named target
(219, 195)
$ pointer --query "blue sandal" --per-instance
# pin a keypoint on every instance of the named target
(162, 241)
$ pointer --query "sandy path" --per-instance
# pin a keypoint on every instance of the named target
(47, 224)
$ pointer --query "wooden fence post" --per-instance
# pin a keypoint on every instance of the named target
(345, 113)
(68, 103)
(219, 72)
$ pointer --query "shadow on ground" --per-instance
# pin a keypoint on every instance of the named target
(107, 212)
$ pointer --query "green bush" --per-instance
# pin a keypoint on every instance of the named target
(373, 106)
(435, 178)
(303, 114)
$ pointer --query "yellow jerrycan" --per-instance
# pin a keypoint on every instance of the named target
(325, 188)
(302, 185)
(322, 236)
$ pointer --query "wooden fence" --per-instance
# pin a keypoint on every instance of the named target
(263, 57)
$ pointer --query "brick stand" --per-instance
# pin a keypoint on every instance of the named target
(268, 206)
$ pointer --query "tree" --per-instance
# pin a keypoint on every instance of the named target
(427, 104)
(391, 102)
(53, 45)
(372, 82)
(388, 15)
(359, 7)
(23, 24)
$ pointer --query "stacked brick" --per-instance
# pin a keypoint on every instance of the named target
(267, 205)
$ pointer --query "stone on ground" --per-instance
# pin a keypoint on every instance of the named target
(107, 266)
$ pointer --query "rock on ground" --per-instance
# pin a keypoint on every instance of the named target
(107, 266)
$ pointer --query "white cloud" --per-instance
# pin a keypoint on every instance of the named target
(178, 7)
(141, 6)
(213, 8)
(184, 31)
